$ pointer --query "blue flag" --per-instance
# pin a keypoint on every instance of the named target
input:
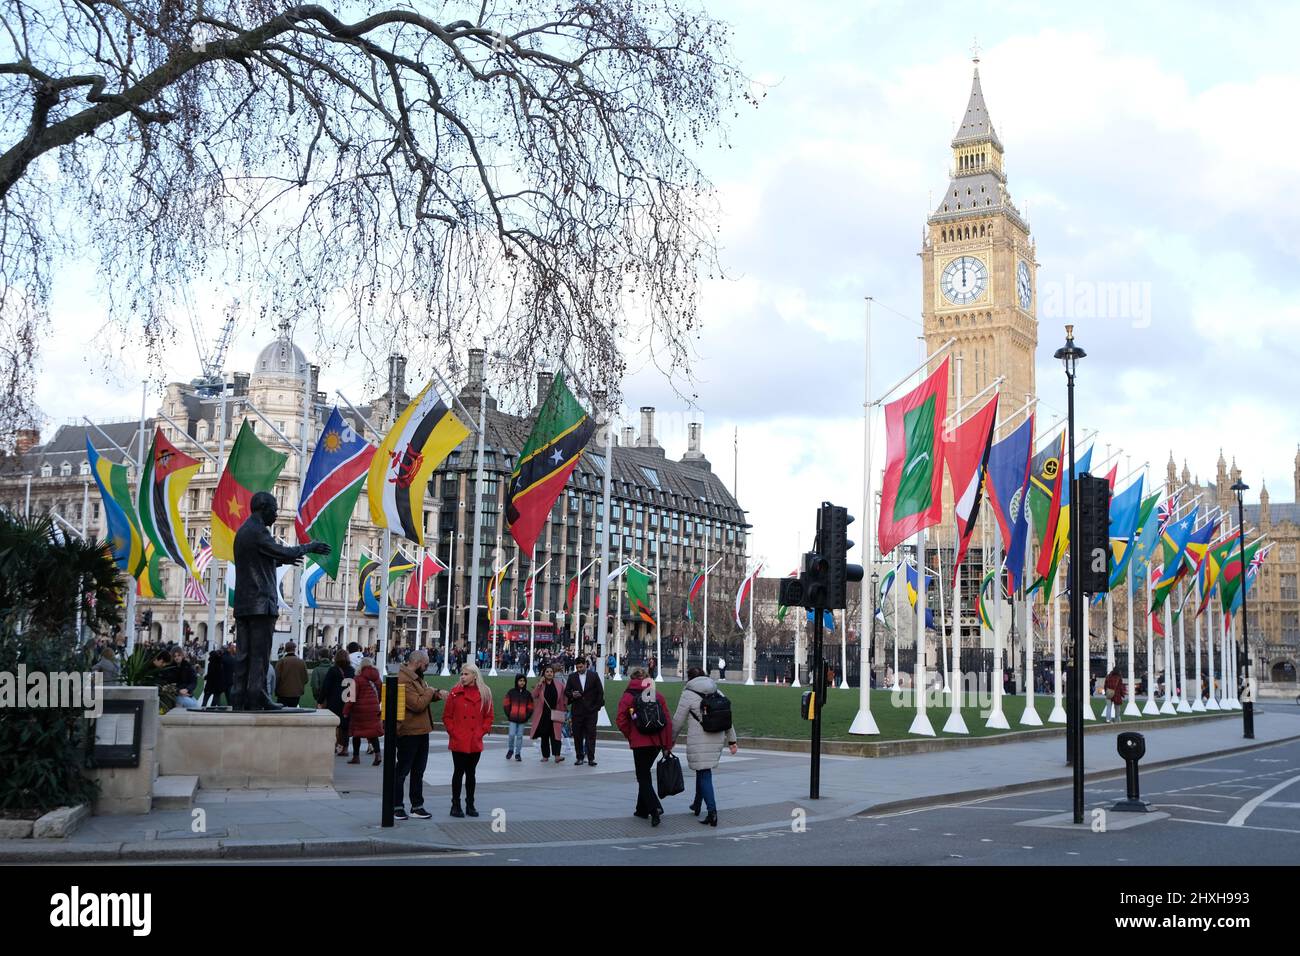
(1082, 464)
(1007, 487)
(310, 578)
(1124, 509)
(828, 619)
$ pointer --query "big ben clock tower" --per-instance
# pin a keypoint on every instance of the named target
(978, 269)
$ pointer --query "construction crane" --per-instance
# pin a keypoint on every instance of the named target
(213, 367)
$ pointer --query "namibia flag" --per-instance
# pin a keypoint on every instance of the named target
(547, 459)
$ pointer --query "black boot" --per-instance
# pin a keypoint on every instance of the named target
(710, 819)
(469, 809)
(695, 807)
(456, 811)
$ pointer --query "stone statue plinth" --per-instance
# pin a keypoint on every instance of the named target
(249, 749)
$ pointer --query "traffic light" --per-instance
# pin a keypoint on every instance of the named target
(833, 540)
(1092, 524)
(146, 619)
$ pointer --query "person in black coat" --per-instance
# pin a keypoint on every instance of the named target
(332, 698)
(586, 696)
(214, 684)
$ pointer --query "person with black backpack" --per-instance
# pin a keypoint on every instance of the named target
(706, 715)
(643, 719)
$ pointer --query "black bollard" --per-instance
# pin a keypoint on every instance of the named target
(389, 768)
(1132, 747)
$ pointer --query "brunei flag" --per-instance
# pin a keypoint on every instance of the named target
(329, 492)
(119, 511)
(967, 456)
(911, 498)
(421, 438)
(548, 457)
(251, 467)
(167, 473)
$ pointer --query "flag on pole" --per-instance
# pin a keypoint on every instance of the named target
(828, 619)
(420, 440)
(1230, 576)
(545, 462)
(194, 590)
(697, 585)
(1212, 567)
(1174, 542)
(638, 594)
(119, 513)
(781, 608)
(367, 593)
(415, 588)
(150, 582)
(166, 475)
(1125, 510)
(311, 576)
(1252, 572)
(1198, 546)
(1007, 487)
(528, 595)
(1045, 506)
(1167, 509)
(743, 592)
(493, 589)
(571, 594)
(251, 467)
(985, 587)
(1082, 465)
(886, 583)
(967, 456)
(912, 496)
(1146, 539)
(337, 470)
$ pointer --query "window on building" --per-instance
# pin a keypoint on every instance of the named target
(1291, 626)
(47, 470)
(1289, 588)
(65, 469)
(85, 468)
(1286, 554)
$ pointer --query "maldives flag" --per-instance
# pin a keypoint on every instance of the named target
(967, 456)
(415, 589)
(337, 471)
(166, 474)
(912, 495)
(251, 467)
(545, 462)
(1007, 487)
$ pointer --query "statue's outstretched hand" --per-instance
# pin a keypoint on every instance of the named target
(319, 547)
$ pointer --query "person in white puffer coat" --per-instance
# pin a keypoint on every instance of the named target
(703, 749)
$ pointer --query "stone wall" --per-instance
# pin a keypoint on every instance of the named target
(130, 789)
(256, 751)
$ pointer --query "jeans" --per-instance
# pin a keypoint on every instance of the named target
(187, 701)
(647, 801)
(704, 790)
(515, 738)
(412, 758)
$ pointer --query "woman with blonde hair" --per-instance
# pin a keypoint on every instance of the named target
(467, 716)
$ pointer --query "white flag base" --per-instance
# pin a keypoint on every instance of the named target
(895, 685)
(1183, 707)
(864, 723)
(795, 682)
(1131, 709)
(997, 721)
(1151, 709)
(1212, 704)
(1030, 718)
(493, 673)
(1199, 706)
(602, 718)
(1168, 707)
(1088, 712)
(749, 682)
(531, 672)
(921, 726)
(1236, 705)
(956, 723)
(1057, 716)
(845, 685)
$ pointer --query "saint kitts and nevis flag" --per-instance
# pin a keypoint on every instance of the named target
(1007, 488)
(420, 440)
(338, 468)
(124, 536)
(166, 475)
(967, 456)
(251, 467)
(545, 462)
(911, 498)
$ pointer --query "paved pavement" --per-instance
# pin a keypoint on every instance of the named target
(531, 804)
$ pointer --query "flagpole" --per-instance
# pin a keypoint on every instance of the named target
(1199, 705)
(419, 601)
(618, 624)
(1183, 707)
(752, 645)
(477, 553)
(1210, 702)
(1030, 717)
(659, 620)
(863, 722)
(901, 566)
(532, 627)
(945, 630)
(185, 533)
(347, 562)
(1168, 706)
(299, 618)
(704, 662)
(1058, 712)
(1130, 706)
(602, 612)
(997, 719)
(451, 584)
(921, 722)
(131, 587)
(955, 723)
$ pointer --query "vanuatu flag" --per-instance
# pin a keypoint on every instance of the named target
(638, 594)
(119, 512)
(548, 457)
(329, 492)
(251, 467)
(421, 438)
(167, 473)
(1045, 473)
(912, 495)
(149, 584)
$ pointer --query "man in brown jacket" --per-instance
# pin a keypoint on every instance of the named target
(413, 733)
(290, 677)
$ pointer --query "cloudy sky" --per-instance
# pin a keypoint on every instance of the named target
(1152, 147)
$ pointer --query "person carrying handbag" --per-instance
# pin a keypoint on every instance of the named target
(703, 748)
(1115, 693)
(643, 720)
(548, 715)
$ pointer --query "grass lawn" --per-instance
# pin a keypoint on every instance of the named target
(773, 711)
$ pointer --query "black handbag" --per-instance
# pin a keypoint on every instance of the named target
(669, 776)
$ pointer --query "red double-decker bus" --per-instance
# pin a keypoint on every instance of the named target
(543, 632)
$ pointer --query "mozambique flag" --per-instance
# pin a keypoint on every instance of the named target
(1045, 474)
(329, 492)
(638, 594)
(494, 590)
(167, 473)
(1174, 542)
(119, 512)
(967, 456)
(251, 467)
(548, 457)
(149, 583)
(911, 498)
(421, 438)
(1212, 567)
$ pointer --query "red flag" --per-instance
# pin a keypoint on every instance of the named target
(967, 456)
(414, 590)
(528, 595)
(573, 592)
(1111, 477)
(912, 497)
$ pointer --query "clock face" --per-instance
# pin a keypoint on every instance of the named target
(964, 280)
(1024, 291)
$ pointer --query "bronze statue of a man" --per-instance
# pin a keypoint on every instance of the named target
(257, 603)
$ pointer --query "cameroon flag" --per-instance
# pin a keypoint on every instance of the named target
(548, 457)
(167, 473)
(251, 467)
(911, 499)
(119, 511)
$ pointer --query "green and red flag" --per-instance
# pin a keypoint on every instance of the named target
(572, 594)
(1174, 542)
(251, 467)
(547, 459)
(1045, 481)
(166, 475)
(1230, 576)
(912, 499)
(638, 594)
(1212, 567)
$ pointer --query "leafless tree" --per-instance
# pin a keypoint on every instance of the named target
(403, 176)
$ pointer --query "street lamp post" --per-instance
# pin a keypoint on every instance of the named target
(1069, 355)
(1243, 655)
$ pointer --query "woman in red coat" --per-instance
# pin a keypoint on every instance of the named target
(645, 746)
(363, 712)
(467, 715)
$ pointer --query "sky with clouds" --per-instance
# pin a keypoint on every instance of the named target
(1152, 148)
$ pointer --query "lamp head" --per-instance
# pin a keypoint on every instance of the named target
(1069, 354)
(1239, 487)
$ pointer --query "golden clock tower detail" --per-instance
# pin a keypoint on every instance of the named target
(979, 275)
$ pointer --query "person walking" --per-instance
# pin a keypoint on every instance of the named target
(332, 700)
(290, 677)
(518, 707)
(643, 720)
(703, 749)
(413, 734)
(362, 712)
(586, 696)
(548, 715)
(722, 669)
(1115, 694)
(467, 715)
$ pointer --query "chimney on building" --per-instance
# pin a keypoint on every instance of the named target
(477, 357)
(647, 439)
(628, 436)
(544, 380)
(28, 438)
(693, 453)
(241, 380)
(396, 377)
(601, 415)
